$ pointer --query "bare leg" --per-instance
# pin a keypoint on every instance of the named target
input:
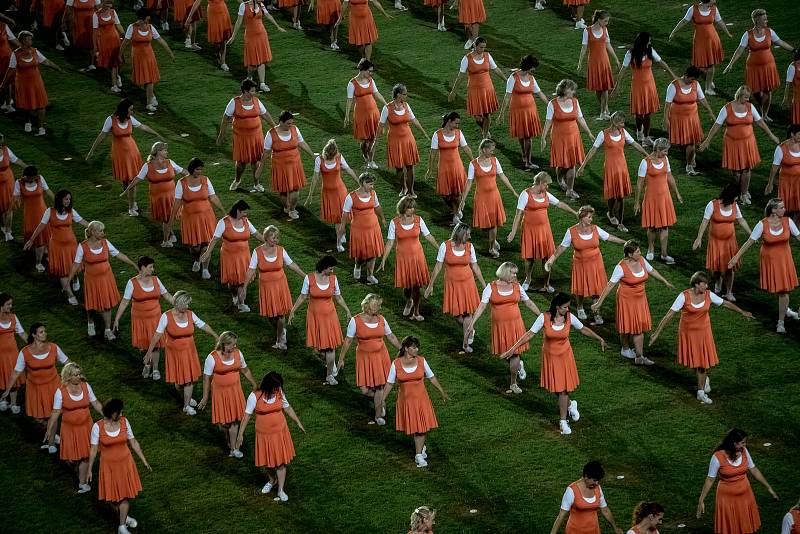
(625, 341)
(149, 93)
(651, 238)
(513, 366)
(409, 180)
(638, 344)
(281, 472)
(156, 358)
(187, 394)
(563, 405)
(579, 302)
(546, 275)
(663, 236)
(262, 73)
(493, 245)
(604, 102)
(570, 178)
(646, 125)
(728, 279)
(83, 470)
(39, 253)
(528, 270)
(106, 319)
(368, 51)
(124, 506)
(710, 77)
(419, 442)
(371, 267)
(783, 304)
(415, 300)
(701, 378)
(744, 181)
(329, 361)
(690, 155)
(233, 431)
(402, 180)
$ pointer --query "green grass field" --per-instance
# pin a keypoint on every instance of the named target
(496, 454)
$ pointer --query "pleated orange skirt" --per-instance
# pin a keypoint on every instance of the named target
(559, 373)
(372, 367)
(588, 276)
(471, 12)
(119, 480)
(227, 403)
(740, 154)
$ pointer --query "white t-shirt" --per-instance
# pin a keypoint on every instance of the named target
(9, 34)
(253, 6)
(487, 294)
(778, 156)
(392, 378)
(143, 171)
(96, 20)
(626, 62)
(569, 498)
(567, 241)
(643, 167)
(71, 3)
(618, 273)
(20, 365)
(585, 37)
(709, 211)
(162, 322)
(465, 62)
(46, 216)
(252, 399)
(745, 38)
(112, 250)
(787, 524)
(522, 200)
(385, 113)
(789, 72)
(680, 300)
(443, 248)
(29, 187)
(672, 91)
(129, 32)
(462, 141)
(305, 289)
(423, 228)
(714, 465)
(179, 189)
(220, 228)
(471, 169)
(512, 80)
(690, 13)
(568, 109)
(254, 258)
(758, 230)
(95, 437)
(318, 164)
(129, 289)
(18, 329)
(108, 122)
(231, 107)
(351, 327)
(58, 399)
(351, 88)
(538, 324)
(12, 158)
(282, 137)
(13, 62)
(210, 363)
(348, 202)
(723, 114)
(601, 138)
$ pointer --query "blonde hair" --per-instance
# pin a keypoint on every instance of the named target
(405, 203)
(371, 302)
(542, 178)
(563, 85)
(742, 89)
(757, 13)
(226, 338)
(71, 369)
(421, 518)
(92, 227)
(486, 142)
(330, 149)
(271, 230)
(661, 144)
(583, 211)
(460, 233)
(157, 147)
(182, 299)
(618, 118)
(506, 271)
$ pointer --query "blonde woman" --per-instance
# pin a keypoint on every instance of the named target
(329, 166)
(423, 518)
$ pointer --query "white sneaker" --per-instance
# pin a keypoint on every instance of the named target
(372, 280)
(192, 403)
(165, 26)
(650, 255)
(156, 375)
(196, 267)
(72, 300)
(573, 410)
(52, 449)
(514, 388)
(339, 248)
(236, 453)
(791, 314)
(335, 370)
(28, 127)
(224, 67)
(420, 460)
(196, 47)
(90, 331)
(147, 370)
(380, 421)
(133, 213)
(581, 314)
(131, 522)
(188, 410)
(707, 386)
(109, 335)
(151, 108)
(522, 374)
(372, 165)
(780, 328)
(267, 488)
(264, 88)
(187, 43)
(468, 44)
(205, 275)
(580, 25)
(628, 353)
(702, 397)
(357, 273)
(173, 239)
(41, 132)
(565, 429)
(122, 529)
(282, 497)
(15, 409)
(40, 268)
(59, 47)
(84, 488)
(598, 319)
(331, 381)
(76, 284)
(57, 440)
(244, 308)
(3, 405)
(669, 260)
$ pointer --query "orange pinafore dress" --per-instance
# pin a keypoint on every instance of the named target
(558, 370)
(145, 313)
(598, 75)
(248, 134)
(361, 29)
(722, 244)
(323, 331)
(119, 479)
(696, 347)
(274, 446)
(796, 96)
(256, 39)
(6, 180)
(328, 12)
(366, 239)
(481, 97)
(82, 11)
(197, 215)
(411, 269)
(333, 190)
(460, 292)
(736, 511)
(182, 366)
(5, 51)
(583, 514)
(523, 117)
(372, 358)
(143, 59)
(644, 95)
(588, 272)
(706, 46)
(219, 28)
(566, 146)
(234, 256)
(616, 178)
(536, 241)
(401, 149)
(108, 43)
(507, 325)
(76, 425)
(789, 187)
(181, 9)
(657, 208)
(778, 273)
(365, 112)
(739, 149)
(52, 11)
(287, 169)
(487, 206)
(414, 411)
(41, 382)
(162, 191)
(30, 93)
(33, 208)
(450, 176)
(227, 399)
(471, 12)
(684, 121)
(274, 297)
(9, 353)
(633, 310)
(761, 73)
(101, 291)
(126, 161)
(62, 245)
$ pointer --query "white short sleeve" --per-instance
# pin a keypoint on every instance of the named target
(351, 328)
(756, 114)
(538, 324)
(60, 356)
(678, 303)
(774, 35)
(428, 371)
(578, 105)
(487, 294)
(175, 167)
(670, 93)
(599, 140)
(510, 84)
(348, 204)
(391, 232)
(162, 324)
(287, 260)
(435, 140)
(567, 241)
(253, 229)
(392, 378)
(709, 211)
(492, 64)
(471, 171)
(107, 124)
(423, 228)
(787, 524)
(499, 167)
(45, 187)
(250, 407)
(199, 323)
(700, 94)
(716, 300)
(128, 290)
(626, 61)
(336, 290)
(267, 139)
(550, 111)
(616, 274)
(156, 35)
(253, 259)
(758, 231)
(642, 172)
(384, 115)
(575, 322)
(219, 229)
(441, 253)
(129, 31)
(472, 257)
(464, 64)
(20, 365)
(793, 228)
(689, 13)
(10, 34)
(94, 438)
(208, 366)
(656, 57)
(585, 37)
(602, 234)
(569, 497)
(142, 172)
(179, 190)
(777, 156)
(411, 115)
(11, 156)
(45, 216)
(790, 73)
(57, 399)
(230, 108)
(112, 250)
(304, 289)
(522, 200)
(351, 90)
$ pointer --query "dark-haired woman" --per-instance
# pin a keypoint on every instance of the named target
(361, 95)
(445, 157)
(118, 481)
(361, 29)
(681, 119)
(7, 158)
(401, 146)
(707, 51)
(57, 222)
(30, 192)
(559, 374)
(647, 517)
(736, 511)
(144, 67)
(323, 331)
(599, 77)
(10, 326)
(791, 96)
(523, 117)
(235, 231)
(274, 448)
(478, 66)
(126, 161)
(107, 33)
(719, 217)
(582, 500)
(257, 52)
(786, 164)
(414, 411)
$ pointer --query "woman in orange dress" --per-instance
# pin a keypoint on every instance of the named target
(523, 117)
(563, 118)
(658, 212)
(581, 502)
(246, 112)
(786, 163)
(7, 157)
(235, 231)
(718, 217)
(71, 404)
(218, 28)
(274, 448)
(791, 96)
(760, 73)
(644, 94)
(736, 511)
(504, 295)
(29, 192)
(487, 205)
(257, 52)
(57, 222)
(327, 13)
(144, 292)
(7, 38)
(681, 119)
(329, 165)
(323, 331)
(106, 35)
(647, 517)
(221, 372)
(439, 6)
(182, 367)
(30, 94)
(361, 95)
(361, 29)
(791, 521)
(144, 67)
(778, 274)
(588, 272)
(275, 301)
(79, 13)
(471, 13)
(51, 17)
(707, 51)
(559, 374)
(401, 146)
(696, 347)
(599, 77)
(9, 327)
(739, 149)
(126, 161)
(422, 518)
(478, 65)
(536, 242)
(632, 309)
(616, 178)
(369, 328)
(118, 481)
(446, 159)
(414, 411)
(576, 8)
(363, 210)
(461, 299)
(411, 268)
(38, 361)
(281, 146)
(181, 11)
